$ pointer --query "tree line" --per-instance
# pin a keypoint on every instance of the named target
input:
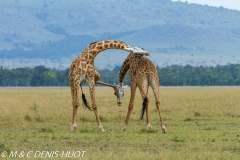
(174, 75)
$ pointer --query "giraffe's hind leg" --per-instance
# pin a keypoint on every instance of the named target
(155, 87)
(75, 102)
(74, 123)
(145, 105)
(162, 125)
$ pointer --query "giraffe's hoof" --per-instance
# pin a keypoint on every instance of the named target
(101, 128)
(149, 126)
(164, 129)
(124, 128)
(73, 128)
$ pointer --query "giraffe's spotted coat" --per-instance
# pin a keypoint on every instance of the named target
(82, 70)
(142, 73)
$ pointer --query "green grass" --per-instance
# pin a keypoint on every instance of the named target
(201, 123)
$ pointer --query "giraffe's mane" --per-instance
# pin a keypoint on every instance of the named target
(94, 42)
(106, 40)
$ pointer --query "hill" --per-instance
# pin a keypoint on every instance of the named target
(174, 32)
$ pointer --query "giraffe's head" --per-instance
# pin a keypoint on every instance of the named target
(119, 93)
(137, 51)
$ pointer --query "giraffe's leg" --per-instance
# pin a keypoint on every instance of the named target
(74, 124)
(131, 104)
(94, 106)
(159, 112)
(156, 94)
(143, 87)
(75, 102)
(149, 126)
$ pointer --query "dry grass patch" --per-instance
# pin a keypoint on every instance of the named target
(201, 122)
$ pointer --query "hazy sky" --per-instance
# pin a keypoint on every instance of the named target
(230, 4)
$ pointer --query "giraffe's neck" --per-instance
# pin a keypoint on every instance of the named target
(94, 48)
(125, 67)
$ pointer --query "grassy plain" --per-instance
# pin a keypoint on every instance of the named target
(201, 123)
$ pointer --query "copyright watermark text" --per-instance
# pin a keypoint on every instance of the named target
(43, 154)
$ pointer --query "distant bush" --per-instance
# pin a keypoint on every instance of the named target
(174, 75)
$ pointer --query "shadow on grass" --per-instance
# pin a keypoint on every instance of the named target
(144, 130)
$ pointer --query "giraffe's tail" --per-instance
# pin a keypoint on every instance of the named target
(85, 101)
(144, 106)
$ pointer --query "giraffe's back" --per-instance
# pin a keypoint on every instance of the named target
(142, 69)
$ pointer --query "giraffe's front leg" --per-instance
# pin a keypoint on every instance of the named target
(130, 107)
(94, 106)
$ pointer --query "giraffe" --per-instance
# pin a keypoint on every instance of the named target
(142, 73)
(82, 70)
